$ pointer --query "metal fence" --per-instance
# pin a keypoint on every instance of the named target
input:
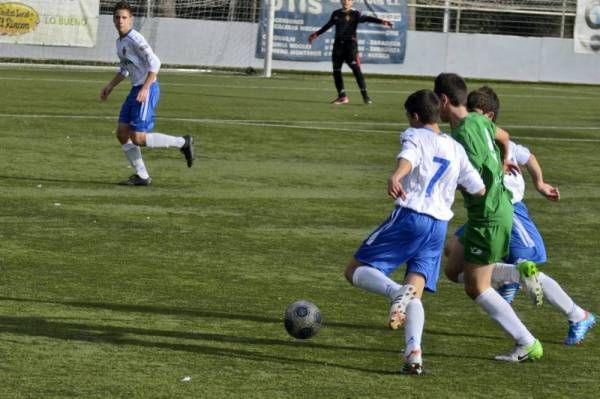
(541, 18)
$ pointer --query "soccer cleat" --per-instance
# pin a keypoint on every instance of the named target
(522, 353)
(530, 278)
(398, 306)
(508, 291)
(136, 180)
(341, 100)
(413, 363)
(188, 150)
(578, 330)
(367, 100)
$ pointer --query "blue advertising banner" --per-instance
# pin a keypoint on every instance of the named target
(296, 19)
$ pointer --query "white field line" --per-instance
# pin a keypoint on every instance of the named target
(318, 125)
(589, 96)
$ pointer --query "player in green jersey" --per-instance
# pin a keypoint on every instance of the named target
(489, 218)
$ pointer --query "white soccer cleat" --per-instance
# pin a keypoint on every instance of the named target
(530, 279)
(521, 353)
(398, 306)
(413, 363)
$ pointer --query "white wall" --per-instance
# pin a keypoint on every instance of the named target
(232, 44)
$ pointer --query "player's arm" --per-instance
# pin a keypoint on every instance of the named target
(409, 157)
(395, 189)
(469, 179)
(368, 18)
(106, 90)
(313, 36)
(153, 64)
(503, 139)
(535, 171)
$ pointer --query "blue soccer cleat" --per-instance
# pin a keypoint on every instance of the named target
(578, 330)
(508, 291)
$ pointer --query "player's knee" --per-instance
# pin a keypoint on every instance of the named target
(451, 272)
(350, 269)
(138, 139)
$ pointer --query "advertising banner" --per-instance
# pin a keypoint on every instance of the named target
(587, 27)
(296, 19)
(49, 22)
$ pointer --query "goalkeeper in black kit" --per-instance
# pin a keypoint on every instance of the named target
(345, 47)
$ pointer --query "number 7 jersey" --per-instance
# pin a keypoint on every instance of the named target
(439, 164)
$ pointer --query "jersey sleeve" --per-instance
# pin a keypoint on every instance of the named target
(368, 18)
(468, 177)
(521, 153)
(410, 148)
(145, 51)
(328, 25)
(123, 70)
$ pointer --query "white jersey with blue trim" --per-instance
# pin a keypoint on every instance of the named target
(519, 155)
(439, 163)
(136, 57)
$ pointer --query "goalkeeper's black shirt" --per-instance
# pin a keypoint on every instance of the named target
(346, 23)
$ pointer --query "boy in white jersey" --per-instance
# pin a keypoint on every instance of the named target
(136, 119)
(526, 242)
(429, 168)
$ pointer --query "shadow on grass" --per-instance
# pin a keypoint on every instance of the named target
(114, 334)
(166, 310)
(49, 180)
(39, 327)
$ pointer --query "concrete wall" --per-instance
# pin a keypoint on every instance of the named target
(232, 44)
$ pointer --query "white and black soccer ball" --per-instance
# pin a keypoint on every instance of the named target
(302, 319)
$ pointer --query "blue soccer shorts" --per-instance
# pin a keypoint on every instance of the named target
(140, 116)
(526, 242)
(407, 237)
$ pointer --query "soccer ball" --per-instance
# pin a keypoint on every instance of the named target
(302, 319)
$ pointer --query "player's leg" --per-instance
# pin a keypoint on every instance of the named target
(143, 123)
(337, 58)
(131, 150)
(423, 272)
(414, 325)
(454, 252)
(484, 244)
(353, 60)
(390, 245)
(478, 287)
(370, 279)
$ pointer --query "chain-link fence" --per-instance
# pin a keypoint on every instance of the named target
(542, 18)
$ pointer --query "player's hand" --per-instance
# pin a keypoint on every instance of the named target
(142, 95)
(106, 90)
(388, 24)
(511, 168)
(395, 189)
(548, 191)
(312, 37)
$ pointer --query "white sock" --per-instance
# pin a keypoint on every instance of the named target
(159, 140)
(558, 298)
(505, 273)
(503, 314)
(134, 155)
(370, 279)
(413, 326)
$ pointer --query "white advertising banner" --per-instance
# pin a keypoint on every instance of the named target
(50, 22)
(587, 27)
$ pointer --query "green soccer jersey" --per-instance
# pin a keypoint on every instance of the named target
(476, 134)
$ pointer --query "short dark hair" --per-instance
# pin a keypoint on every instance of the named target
(453, 86)
(122, 5)
(425, 104)
(485, 99)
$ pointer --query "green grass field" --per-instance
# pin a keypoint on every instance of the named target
(118, 292)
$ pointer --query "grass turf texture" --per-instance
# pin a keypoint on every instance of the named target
(109, 291)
